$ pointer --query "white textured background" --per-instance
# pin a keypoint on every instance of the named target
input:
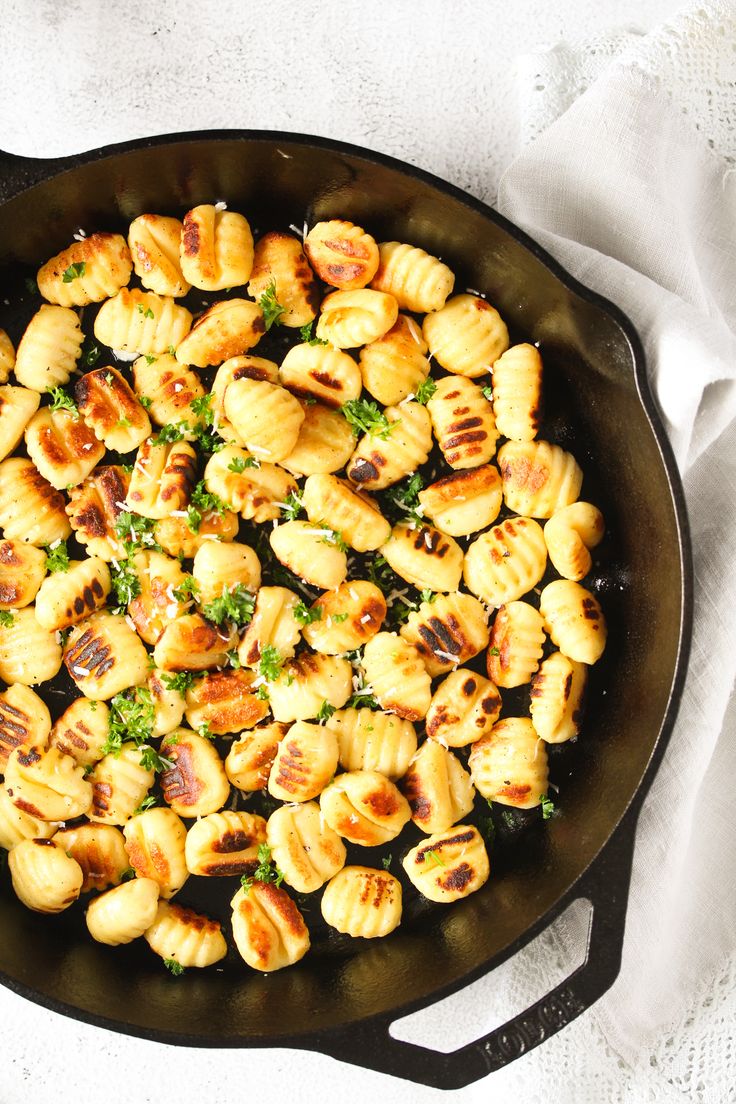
(432, 82)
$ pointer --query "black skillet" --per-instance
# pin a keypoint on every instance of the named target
(342, 998)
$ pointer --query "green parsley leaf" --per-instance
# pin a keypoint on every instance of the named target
(381, 575)
(425, 391)
(406, 496)
(488, 393)
(174, 967)
(261, 692)
(325, 711)
(428, 596)
(202, 502)
(434, 857)
(238, 464)
(181, 681)
(125, 584)
(236, 604)
(187, 589)
(202, 407)
(123, 423)
(305, 614)
(129, 874)
(168, 434)
(73, 272)
(269, 304)
(270, 664)
(493, 651)
(171, 350)
(332, 536)
(147, 313)
(132, 716)
(149, 359)
(548, 807)
(147, 803)
(6, 618)
(206, 731)
(292, 507)
(266, 871)
(153, 760)
(135, 532)
(307, 335)
(366, 417)
(57, 558)
(386, 861)
(338, 618)
(487, 829)
(145, 401)
(234, 659)
(62, 400)
(91, 352)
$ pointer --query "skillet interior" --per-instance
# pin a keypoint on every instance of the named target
(589, 366)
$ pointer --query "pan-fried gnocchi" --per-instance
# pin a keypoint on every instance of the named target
(49, 349)
(378, 461)
(275, 615)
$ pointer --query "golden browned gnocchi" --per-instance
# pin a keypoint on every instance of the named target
(466, 336)
(17, 407)
(574, 620)
(557, 698)
(449, 865)
(509, 764)
(438, 788)
(328, 666)
(87, 271)
(154, 845)
(62, 447)
(447, 630)
(22, 570)
(154, 241)
(362, 902)
(342, 254)
(305, 761)
(268, 929)
(184, 936)
(463, 422)
(279, 265)
(49, 349)
(515, 645)
(228, 329)
(305, 849)
(418, 281)
(538, 478)
(216, 248)
(223, 844)
(464, 707)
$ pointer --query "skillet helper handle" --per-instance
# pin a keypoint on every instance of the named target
(606, 887)
(18, 173)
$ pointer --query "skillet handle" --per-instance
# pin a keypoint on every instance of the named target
(606, 886)
(18, 173)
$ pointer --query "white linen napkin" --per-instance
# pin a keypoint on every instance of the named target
(633, 189)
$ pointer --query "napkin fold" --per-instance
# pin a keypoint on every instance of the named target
(632, 188)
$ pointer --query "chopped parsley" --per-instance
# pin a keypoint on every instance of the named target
(338, 618)
(181, 681)
(174, 967)
(57, 558)
(234, 659)
(307, 335)
(6, 618)
(125, 584)
(292, 507)
(73, 272)
(202, 502)
(386, 861)
(487, 393)
(266, 871)
(238, 464)
(305, 614)
(62, 400)
(205, 731)
(145, 401)
(187, 589)
(171, 350)
(270, 664)
(493, 652)
(428, 596)
(366, 417)
(129, 874)
(123, 423)
(548, 807)
(381, 574)
(149, 359)
(132, 717)
(332, 536)
(272, 309)
(147, 803)
(171, 432)
(236, 604)
(261, 692)
(425, 391)
(406, 496)
(487, 829)
(434, 857)
(152, 760)
(91, 352)
(147, 313)
(135, 532)
(325, 711)
(202, 407)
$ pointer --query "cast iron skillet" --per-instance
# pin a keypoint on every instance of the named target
(342, 1000)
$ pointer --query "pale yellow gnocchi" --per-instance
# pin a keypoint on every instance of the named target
(87, 271)
(349, 319)
(344, 619)
(47, 784)
(314, 553)
(62, 446)
(515, 644)
(216, 248)
(100, 851)
(162, 478)
(321, 372)
(154, 845)
(108, 404)
(466, 336)
(123, 913)
(364, 808)
(464, 707)
(463, 423)
(135, 321)
(169, 389)
(447, 630)
(353, 514)
(104, 656)
(574, 620)
(438, 788)
(24, 721)
(304, 847)
(425, 557)
(256, 489)
(224, 844)
(154, 242)
(557, 698)
(342, 254)
(325, 442)
(195, 784)
(449, 865)
(305, 762)
(279, 265)
(362, 902)
(395, 365)
(182, 935)
(382, 459)
(509, 764)
(224, 702)
(268, 929)
(81, 731)
(67, 597)
(250, 758)
(538, 478)
(463, 502)
(517, 392)
(44, 877)
(219, 568)
(120, 782)
(506, 562)
(227, 329)
(570, 534)
(17, 407)
(372, 740)
(418, 281)
(306, 682)
(22, 570)
(266, 417)
(273, 625)
(31, 509)
(396, 675)
(28, 653)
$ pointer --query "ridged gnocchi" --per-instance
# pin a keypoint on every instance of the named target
(219, 568)
(418, 281)
(256, 490)
(216, 249)
(351, 318)
(557, 698)
(463, 423)
(509, 764)
(266, 417)
(24, 721)
(362, 902)
(320, 372)
(195, 784)
(108, 404)
(228, 329)
(87, 271)
(342, 254)
(395, 365)
(162, 478)
(49, 349)
(447, 630)
(81, 731)
(354, 515)
(22, 569)
(438, 788)
(306, 682)
(28, 653)
(154, 242)
(304, 847)
(47, 784)
(62, 447)
(185, 936)
(17, 407)
(154, 845)
(7, 357)
(379, 461)
(574, 620)
(325, 442)
(268, 929)
(538, 478)
(505, 563)
(464, 707)
(250, 758)
(224, 701)
(94, 508)
(65, 598)
(311, 552)
(100, 851)
(517, 392)
(448, 865)
(515, 645)
(279, 262)
(466, 336)
(17, 825)
(239, 367)
(191, 643)
(104, 656)
(273, 626)
(463, 502)
(120, 782)
(142, 322)
(305, 762)
(123, 913)
(372, 740)
(364, 808)
(45, 878)
(397, 676)
(169, 388)
(30, 509)
(425, 557)
(345, 618)
(570, 534)
(223, 844)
